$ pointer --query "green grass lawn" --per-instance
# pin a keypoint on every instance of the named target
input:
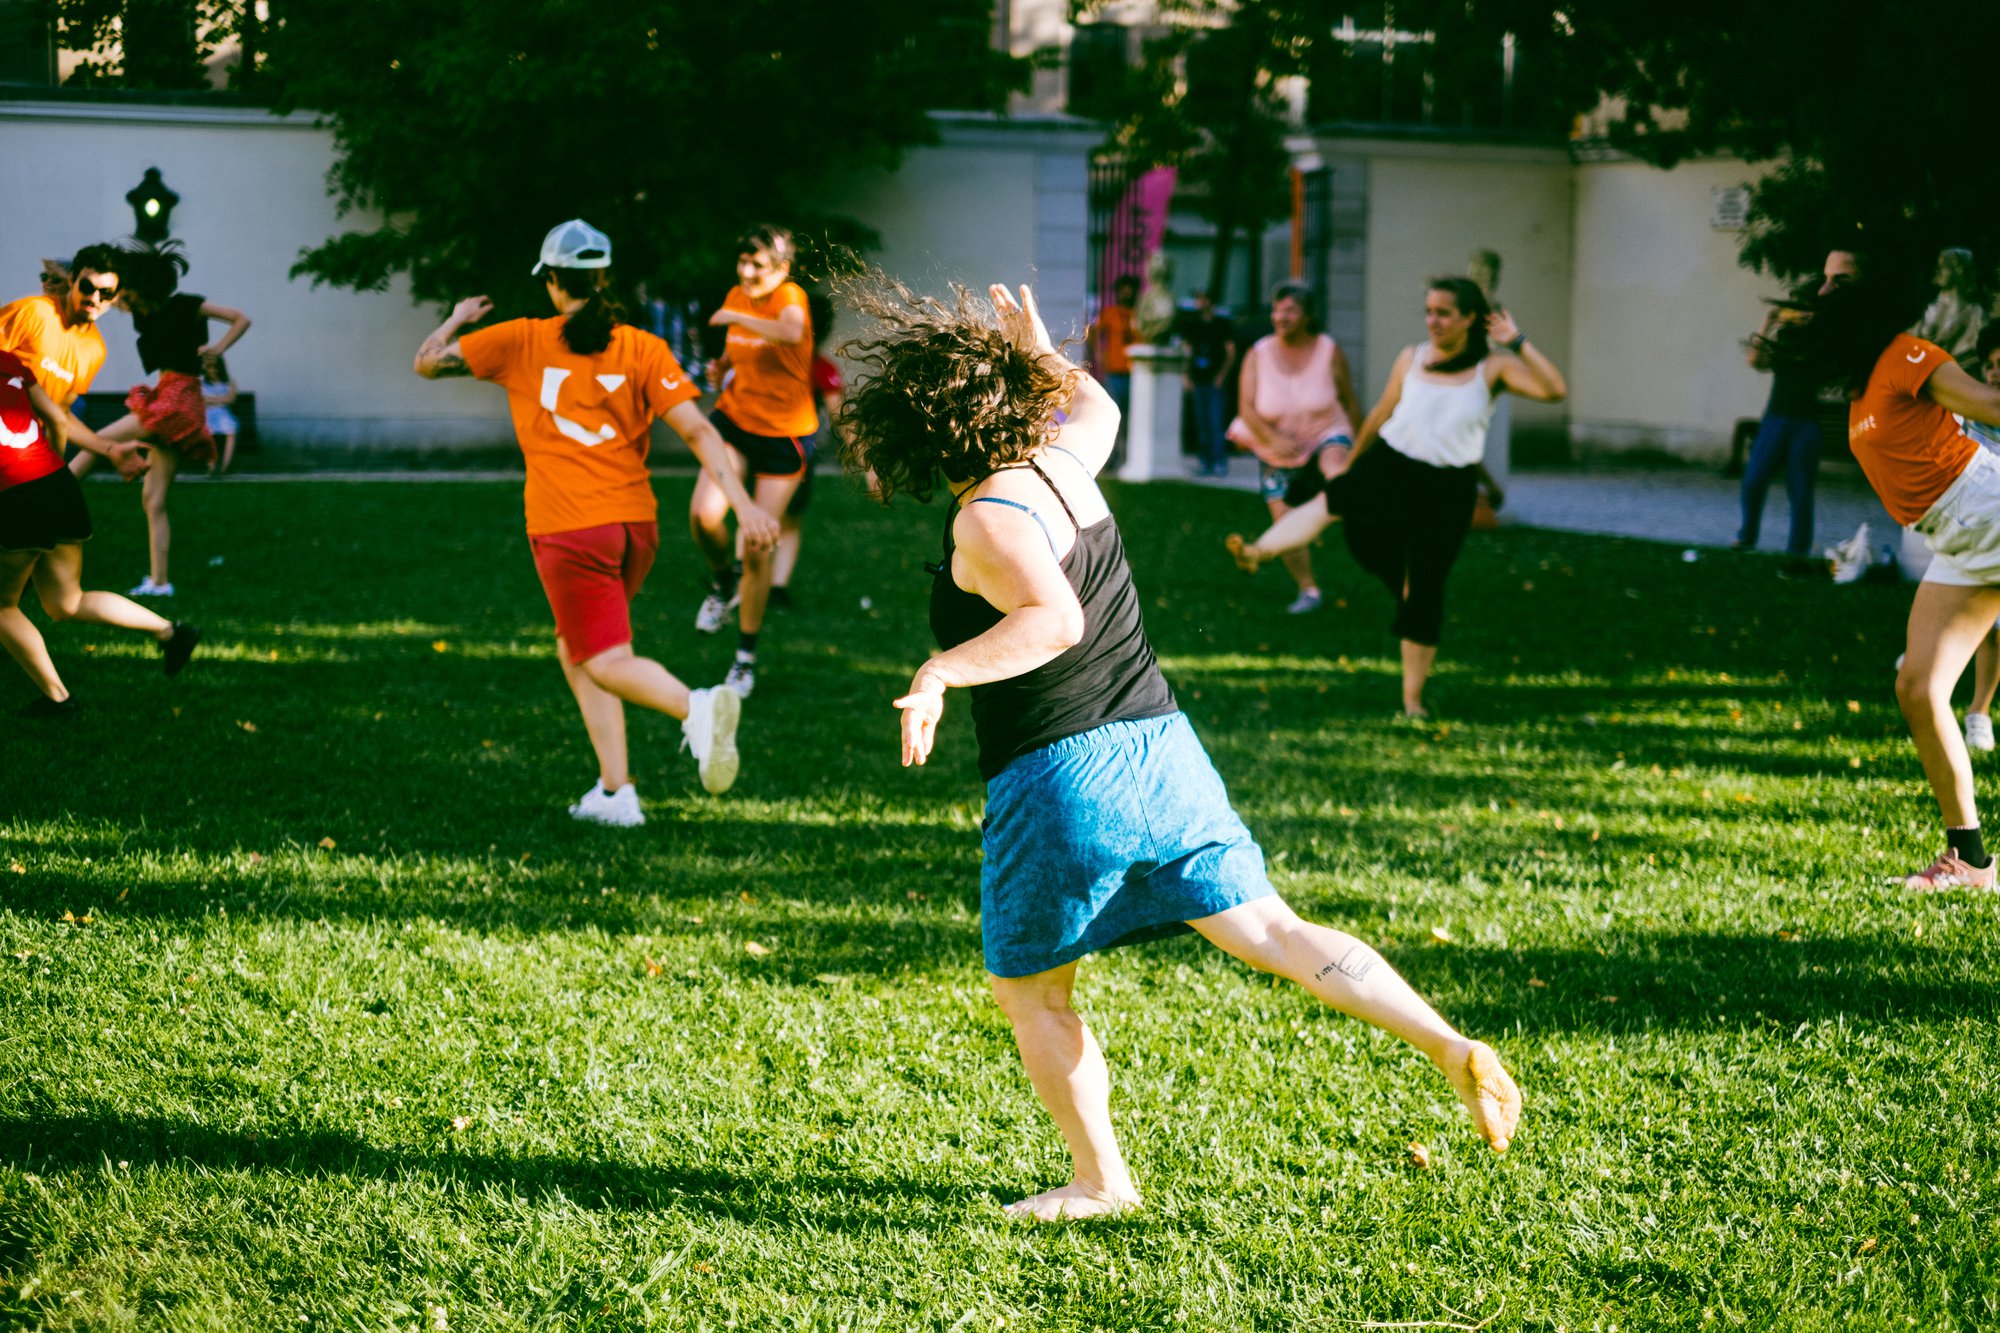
(317, 1011)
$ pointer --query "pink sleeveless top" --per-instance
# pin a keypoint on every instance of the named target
(1303, 406)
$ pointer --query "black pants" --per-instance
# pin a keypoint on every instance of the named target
(1405, 522)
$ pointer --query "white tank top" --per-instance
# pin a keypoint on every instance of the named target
(1441, 424)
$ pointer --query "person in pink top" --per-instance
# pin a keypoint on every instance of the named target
(1908, 400)
(1295, 409)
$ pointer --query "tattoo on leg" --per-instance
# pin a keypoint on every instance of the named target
(1354, 965)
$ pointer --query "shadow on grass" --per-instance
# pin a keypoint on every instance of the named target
(822, 1200)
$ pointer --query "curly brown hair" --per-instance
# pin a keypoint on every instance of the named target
(944, 396)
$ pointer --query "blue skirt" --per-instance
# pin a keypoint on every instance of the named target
(1114, 836)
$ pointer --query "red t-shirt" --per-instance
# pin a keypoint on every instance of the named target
(583, 421)
(1910, 448)
(26, 451)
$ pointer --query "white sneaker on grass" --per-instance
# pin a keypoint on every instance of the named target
(148, 588)
(710, 735)
(618, 809)
(715, 608)
(742, 676)
(1978, 731)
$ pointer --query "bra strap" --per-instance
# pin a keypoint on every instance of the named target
(1016, 504)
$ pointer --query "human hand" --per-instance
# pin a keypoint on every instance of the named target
(131, 461)
(471, 310)
(759, 529)
(922, 707)
(1501, 328)
(1020, 321)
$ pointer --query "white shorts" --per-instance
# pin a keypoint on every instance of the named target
(1963, 528)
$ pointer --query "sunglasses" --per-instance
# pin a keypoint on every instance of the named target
(91, 291)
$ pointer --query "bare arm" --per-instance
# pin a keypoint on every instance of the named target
(1343, 387)
(787, 330)
(125, 455)
(1003, 557)
(227, 396)
(1246, 395)
(760, 530)
(439, 357)
(1526, 371)
(1092, 428)
(1955, 391)
(239, 324)
(1392, 394)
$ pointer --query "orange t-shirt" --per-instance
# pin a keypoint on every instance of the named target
(1114, 335)
(63, 360)
(1911, 449)
(770, 385)
(582, 420)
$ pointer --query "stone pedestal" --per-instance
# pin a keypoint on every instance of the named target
(1153, 422)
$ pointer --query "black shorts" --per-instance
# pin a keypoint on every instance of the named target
(43, 514)
(769, 455)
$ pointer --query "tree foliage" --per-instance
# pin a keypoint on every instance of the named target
(473, 126)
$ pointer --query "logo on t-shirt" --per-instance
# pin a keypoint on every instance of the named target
(1861, 427)
(1916, 358)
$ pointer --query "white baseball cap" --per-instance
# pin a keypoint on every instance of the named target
(575, 244)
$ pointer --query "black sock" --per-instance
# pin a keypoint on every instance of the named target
(746, 646)
(1969, 846)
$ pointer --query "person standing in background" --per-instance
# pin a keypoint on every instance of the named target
(1787, 438)
(1211, 350)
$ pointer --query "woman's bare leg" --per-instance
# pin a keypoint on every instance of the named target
(603, 718)
(1985, 673)
(625, 675)
(1297, 559)
(1296, 530)
(228, 451)
(1417, 661)
(786, 557)
(708, 519)
(1346, 974)
(1947, 624)
(18, 633)
(773, 495)
(59, 584)
(125, 428)
(159, 531)
(1069, 1074)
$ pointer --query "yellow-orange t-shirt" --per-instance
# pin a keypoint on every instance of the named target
(1910, 448)
(1115, 334)
(770, 387)
(582, 420)
(64, 360)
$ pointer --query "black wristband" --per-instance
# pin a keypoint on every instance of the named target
(1520, 341)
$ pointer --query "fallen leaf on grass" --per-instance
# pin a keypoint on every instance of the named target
(461, 1121)
(1536, 983)
(653, 969)
(1440, 934)
(1420, 1156)
(74, 919)
(1607, 999)
(328, 843)
(1866, 1246)
(17, 867)
(756, 950)
(1855, 762)
(256, 857)
(247, 726)
(440, 646)
(1853, 705)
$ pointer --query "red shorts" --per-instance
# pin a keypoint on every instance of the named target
(172, 413)
(591, 576)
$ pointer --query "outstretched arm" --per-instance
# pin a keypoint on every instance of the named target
(1955, 391)
(1003, 557)
(125, 455)
(787, 330)
(439, 357)
(760, 530)
(1092, 427)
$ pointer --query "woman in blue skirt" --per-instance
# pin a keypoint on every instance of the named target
(1105, 822)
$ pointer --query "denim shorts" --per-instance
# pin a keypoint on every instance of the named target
(1114, 836)
(1273, 481)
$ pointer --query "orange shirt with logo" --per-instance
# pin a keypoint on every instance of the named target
(1910, 448)
(770, 385)
(583, 421)
(63, 360)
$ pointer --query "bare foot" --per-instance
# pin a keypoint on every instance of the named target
(1070, 1203)
(1487, 1090)
(1243, 553)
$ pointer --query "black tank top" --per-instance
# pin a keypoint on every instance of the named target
(1110, 675)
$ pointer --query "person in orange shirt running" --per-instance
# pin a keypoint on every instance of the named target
(765, 414)
(584, 387)
(1905, 395)
(52, 352)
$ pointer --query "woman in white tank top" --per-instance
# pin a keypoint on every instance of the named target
(1408, 504)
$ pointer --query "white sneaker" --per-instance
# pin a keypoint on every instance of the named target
(1978, 731)
(710, 735)
(1305, 603)
(714, 612)
(742, 677)
(148, 588)
(619, 809)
